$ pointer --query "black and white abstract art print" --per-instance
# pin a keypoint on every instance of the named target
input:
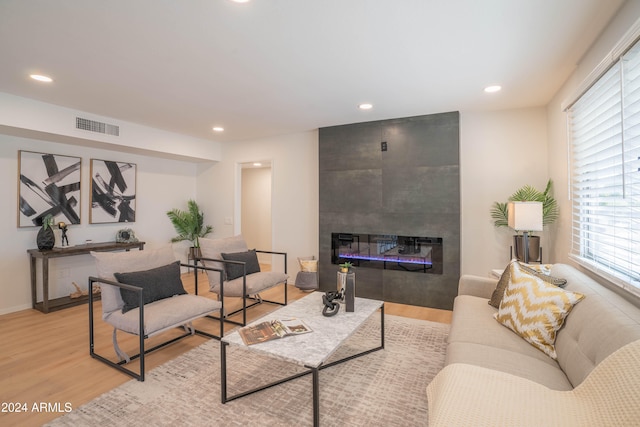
(48, 184)
(113, 192)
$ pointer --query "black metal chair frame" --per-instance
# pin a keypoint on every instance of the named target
(256, 301)
(142, 351)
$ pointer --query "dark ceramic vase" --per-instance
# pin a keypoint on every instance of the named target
(46, 239)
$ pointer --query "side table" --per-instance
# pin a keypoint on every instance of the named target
(48, 305)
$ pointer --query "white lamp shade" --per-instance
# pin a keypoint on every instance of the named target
(525, 216)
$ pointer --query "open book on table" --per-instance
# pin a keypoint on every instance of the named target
(272, 329)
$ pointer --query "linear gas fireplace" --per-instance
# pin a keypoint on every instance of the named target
(388, 251)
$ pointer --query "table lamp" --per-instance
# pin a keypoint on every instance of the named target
(525, 217)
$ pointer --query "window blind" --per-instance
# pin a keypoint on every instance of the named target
(605, 177)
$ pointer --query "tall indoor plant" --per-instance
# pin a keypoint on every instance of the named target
(550, 212)
(190, 226)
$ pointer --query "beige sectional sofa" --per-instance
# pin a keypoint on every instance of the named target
(492, 376)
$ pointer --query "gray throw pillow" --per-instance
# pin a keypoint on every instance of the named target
(157, 283)
(233, 271)
(498, 292)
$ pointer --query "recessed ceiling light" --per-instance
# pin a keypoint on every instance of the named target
(365, 106)
(257, 164)
(218, 129)
(491, 89)
(240, 1)
(41, 78)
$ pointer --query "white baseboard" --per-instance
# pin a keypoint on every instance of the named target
(14, 309)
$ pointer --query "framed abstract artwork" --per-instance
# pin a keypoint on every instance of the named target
(48, 184)
(113, 192)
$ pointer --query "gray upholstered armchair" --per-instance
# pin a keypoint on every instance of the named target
(230, 262)
(142, 294)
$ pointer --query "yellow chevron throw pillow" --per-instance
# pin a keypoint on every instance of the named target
(535, 309)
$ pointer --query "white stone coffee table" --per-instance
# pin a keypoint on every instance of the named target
(310, 350)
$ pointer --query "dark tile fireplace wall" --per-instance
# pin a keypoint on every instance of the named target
(398, 176)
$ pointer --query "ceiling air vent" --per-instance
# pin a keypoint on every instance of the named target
(94, 126)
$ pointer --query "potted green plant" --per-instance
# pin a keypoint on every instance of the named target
(550, 212)
(345, 266)
(46, 239)
(190, 226)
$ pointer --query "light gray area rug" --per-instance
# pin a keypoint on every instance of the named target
(384, 388)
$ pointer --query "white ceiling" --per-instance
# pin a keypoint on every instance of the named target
(272, 67)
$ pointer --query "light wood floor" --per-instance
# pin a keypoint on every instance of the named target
(44, 358)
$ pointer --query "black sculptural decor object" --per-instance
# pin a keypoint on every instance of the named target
(64, 240)
(126, 235)
(331, 306)
(45, 239)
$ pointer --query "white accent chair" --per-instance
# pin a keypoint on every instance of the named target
(155, 303)
(230, 263)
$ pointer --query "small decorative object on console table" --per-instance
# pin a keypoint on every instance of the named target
(45, 238)
(63, 226)
(126, 235)
(65, 302)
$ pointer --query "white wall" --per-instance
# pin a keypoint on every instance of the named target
(556, 119)
(499, 152)
(34, 119)
(294, 160)
(161, 185)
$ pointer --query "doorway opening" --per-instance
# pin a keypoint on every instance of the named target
(255, 206)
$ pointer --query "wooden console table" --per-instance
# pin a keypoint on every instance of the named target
(65, 302)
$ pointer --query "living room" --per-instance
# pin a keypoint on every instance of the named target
(501, 149)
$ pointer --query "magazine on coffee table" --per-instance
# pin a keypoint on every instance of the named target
(273, 329)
